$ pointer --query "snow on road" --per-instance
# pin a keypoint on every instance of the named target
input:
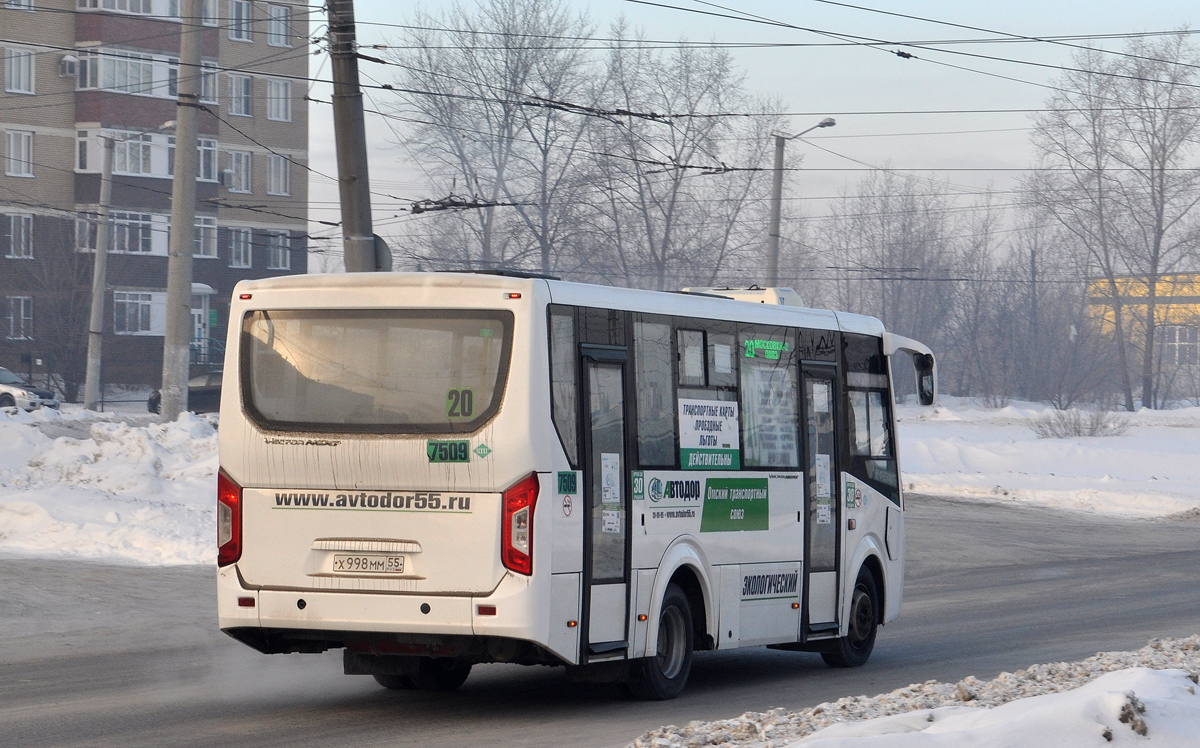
(117, 488)
(960, 449)
(1144, 698)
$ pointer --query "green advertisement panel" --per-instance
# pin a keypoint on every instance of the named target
(732, 504)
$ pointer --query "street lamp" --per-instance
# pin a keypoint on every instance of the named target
(91, 382)
(777, 197)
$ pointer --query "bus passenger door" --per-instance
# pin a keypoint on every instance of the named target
(606, 531)
(823, 513)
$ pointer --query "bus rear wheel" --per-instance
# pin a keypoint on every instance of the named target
(664, 675)
(440, 674)
(427, 674)
(854, 649)
(394, 681)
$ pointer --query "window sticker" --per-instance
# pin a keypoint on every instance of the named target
(708, 435)
(611, 521)
(820, 397)
(610, 478)
(821, 478)
(448, 451)
(460, 403)
(722, 358)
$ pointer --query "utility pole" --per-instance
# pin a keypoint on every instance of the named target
(1033, 327)
(91, 384)
(178, 338)
(777, 199)
(362, 250)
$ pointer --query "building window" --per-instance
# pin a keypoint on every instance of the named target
(19, 156)
(239, 20)
(131, 232)
(279, 100)
(173, 77)
(206, 166)
(18, 70)
(132, 154)
(131, 312)
(1181, 345)
(208, 83)
(205, 241)
(128, 72)
(85, 232)
(239, 248)
(278, 19)
(239, 164)
(18, 4)
(210, 14)
(139, 7)
(81, 150)
(241, 95)
(20, 235)
(278, 178)
(206, 159)
(279, 254)
(20, 317)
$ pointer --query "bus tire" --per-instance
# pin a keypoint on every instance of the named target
(394, 681)
(440, 674)
(664, 675)
(854, 649)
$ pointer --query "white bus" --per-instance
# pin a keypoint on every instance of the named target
(433, 470)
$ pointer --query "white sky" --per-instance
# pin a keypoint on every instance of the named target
(816, 82)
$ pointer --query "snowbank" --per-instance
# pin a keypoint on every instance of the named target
(959, 449)
(101, 486)
(122, 487)
(1147, 697)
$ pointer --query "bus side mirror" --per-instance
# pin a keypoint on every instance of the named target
(926, 386)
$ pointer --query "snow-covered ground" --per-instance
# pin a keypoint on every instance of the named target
(112, 487)
(959, 448)
(122, 487)
(1144, 698)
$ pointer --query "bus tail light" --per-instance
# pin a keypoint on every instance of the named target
(229, 520)
(516, 532)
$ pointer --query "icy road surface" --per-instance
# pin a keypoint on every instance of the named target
(102, 655)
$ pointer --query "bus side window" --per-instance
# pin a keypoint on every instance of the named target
(563, 386)
(770, 411)
(872, 456)
(655, 393)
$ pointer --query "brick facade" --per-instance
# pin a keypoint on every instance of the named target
(46, 251)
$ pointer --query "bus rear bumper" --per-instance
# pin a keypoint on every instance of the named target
(312, 620)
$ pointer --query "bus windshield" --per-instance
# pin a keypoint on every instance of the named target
(379, 370)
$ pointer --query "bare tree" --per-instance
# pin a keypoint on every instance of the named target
(671, 210)
(485, 88)
(1114, 148)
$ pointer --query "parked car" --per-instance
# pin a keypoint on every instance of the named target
(16, 391)
(204, 394)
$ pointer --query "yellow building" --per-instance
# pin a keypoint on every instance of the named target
(1176, 313)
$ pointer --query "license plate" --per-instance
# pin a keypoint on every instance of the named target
(368, 563)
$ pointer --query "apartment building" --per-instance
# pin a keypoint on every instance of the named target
(77, 70)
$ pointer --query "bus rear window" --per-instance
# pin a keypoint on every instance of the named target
(377, 370)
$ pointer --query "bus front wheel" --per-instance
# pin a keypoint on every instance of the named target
(664, 675)
(854, 649)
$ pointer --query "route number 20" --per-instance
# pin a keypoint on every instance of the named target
(460, 403)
